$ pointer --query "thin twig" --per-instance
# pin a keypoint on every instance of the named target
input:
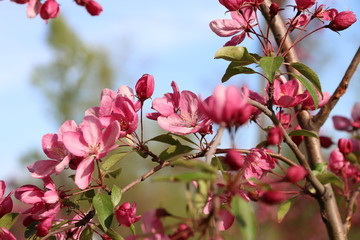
(350, 210)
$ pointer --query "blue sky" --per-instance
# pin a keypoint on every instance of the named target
(168, 39)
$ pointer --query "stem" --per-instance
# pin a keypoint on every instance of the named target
(214, 145)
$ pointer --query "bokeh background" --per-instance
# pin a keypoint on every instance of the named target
(55, 71)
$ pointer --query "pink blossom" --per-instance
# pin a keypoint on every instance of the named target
(295, 174)
(240, 23)
(234, 159)
(225, 221)
(275, 136)
(232, 5)
(6, 203)
(183, 232)
(179, 113)
(145, 87)
(93, 7)
(6, 234)
(126, 214)
(308, 102)
(257, 164)
(286, 93)
(342, 21)
(49, 9)
(297, 139)
(301, 21)
(345, 146)
(90, 143)
(228, 106)
(273, 197)
(274, 9)
(339, 165)
(152, 225)
(54, 148)
(345, 124)
(304, 4)
(325, 14)
(325, 141)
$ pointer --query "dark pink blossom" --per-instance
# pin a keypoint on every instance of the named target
(145, 87)
(6, 234)
(304, 4)
(126, 214)
(234, 159)
(49, 9)
(180, 113)
(228, 106)
(183, 232)
(339, 165)
(325, 14)
(240, 23)
(232, 5)
(301, 21)
(257, 164)
(308, 102)
(152, 225)
(273, 197)
(93, 7)
(274, 9)
(325, 141)
(342, 21)
(286, 93)
(275, 136)
(295, 174)
(345, 146)
(6, 203)
(345, 124)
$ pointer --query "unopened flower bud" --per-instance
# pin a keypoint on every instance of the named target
(325, 142)
(50, 9)
(125, 214)
(273, 197)
(275, 136)
(145, 87)
(304, 4)
(234, 159)
(342, 21)
(93, 8)
(274, 9)
(232, 5)
(345, 146)
(295, 174)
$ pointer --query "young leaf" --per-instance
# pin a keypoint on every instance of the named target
(270, 65)
(329, 177)
(235, 68)
(308, 73)
(310, 87)
(186, 177)
(113, 235)
(174, 150)
(8, 220)
(245, 216)
(112, 160)
(284, 208)
(104, 209)
(115, 195)
(303, 132)
(232, 53)
(166, 138)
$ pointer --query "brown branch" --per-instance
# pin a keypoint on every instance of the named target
(324, 112)
(350, 209)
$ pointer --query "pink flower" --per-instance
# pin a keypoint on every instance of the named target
(6, 234)
(90, 143)
(342, 21)
(273, 197)
(152, 226)
(345, 124)
(93, 7)
(240, 23)
(304, 4)
(183, 232)
(325, 14)
(234, 159)
(345, 146)
(50, 9)
(286, 93)
(257, 164)
(308, 102)
(54, 148)
(179, 113)
(325, 141)
(228, 106)
(295, 174)
(339, 165)
(275, 136)
(274, 9)
(301, 21)
(145, 87)
(126, 214)
(232, 5)
(6, 203)
(225, 221)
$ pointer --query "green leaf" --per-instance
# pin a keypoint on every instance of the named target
(114, 235)
(235, 68)
(271, 65)
(232, 53)
(104, 209)
(115, 195)
(112, 160)
(284, 208)
(308, 73)
(194, 164)
(351, 157)
(30, 230)
(186, 177)
(303, 132)
(184, 138)
(173, 151)
(329, 177)
(310, 87)
(166, 138)
(86, 234)
(8, 220)
(132, 228)
(245, 216)
(320, 167)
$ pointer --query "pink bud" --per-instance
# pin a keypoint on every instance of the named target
(295, 174)
(145, 87)
(125, 214)
(325, 142)
(50, 9)
(93, 8)
(274, 9)
(342, 21)
(232, 5)
(234, 159)
(20, 1)
(273, 197)
(345, 146)
(275, 136)
(304, 4)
